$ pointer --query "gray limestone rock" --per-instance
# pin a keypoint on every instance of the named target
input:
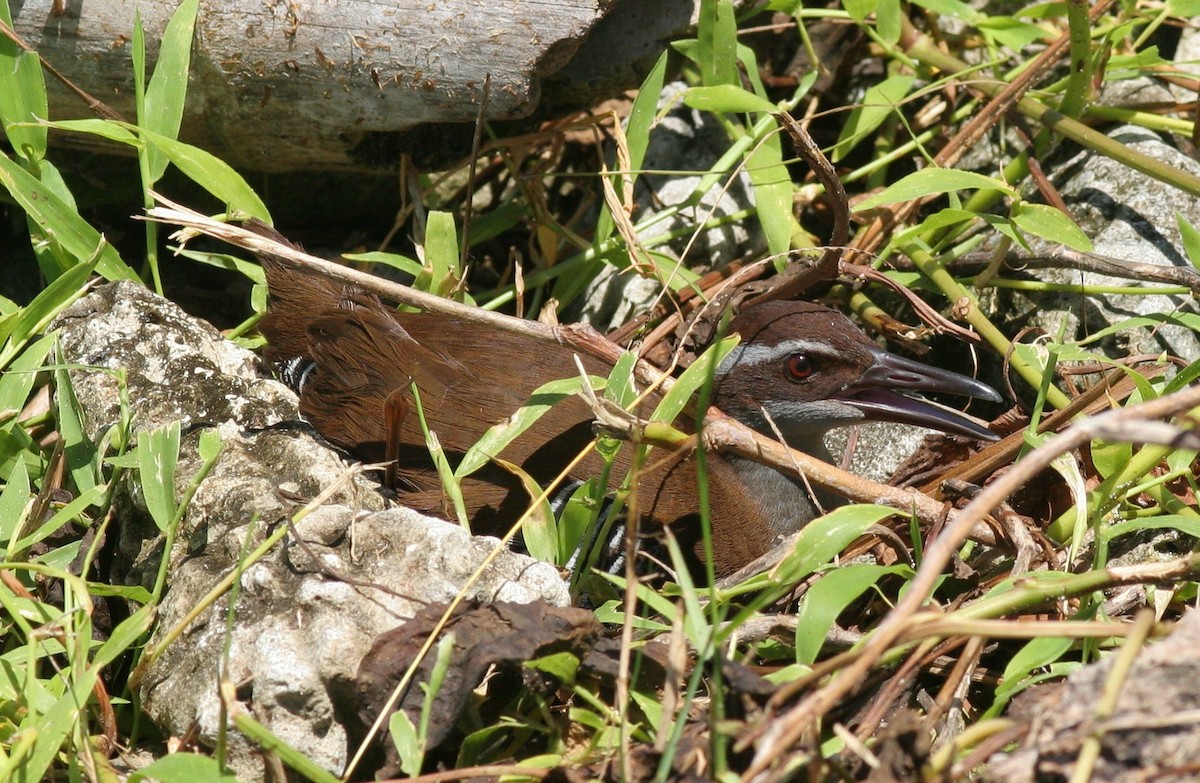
(309, 609)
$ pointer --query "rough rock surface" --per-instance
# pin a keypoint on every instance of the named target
(1127, 215)
(1152, 734)
(310, 609)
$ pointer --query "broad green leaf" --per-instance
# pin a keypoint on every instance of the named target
(727, 98)
(954, 9)
(408, 746)
(79, 451)
(1010, 32)
(826, 598)
(930, 182)
(579, 513)
(772, 192)
(1188, 525)
(404, 264)
(35, 316)
(167, 90)
(441, 268)
(71, 512)
(211, 173)
(889, 20)
(16, 382)
(22, 96)
(184, 768)
(1188, 320)
(881, 101)
(493, 442)
(1191, 239)
(716, 33)
(1050, 224)
(158, 453)
(1110, 458)
(539, 530)
(105, 129)
(651, 707)
(620, 387)
(13, 500)
(250, 269)
(562, 666)
(61, 222)
(641, 114)
(1035, 654)
(859, 10)
(637, 136)
(673, 402)
(825, 537)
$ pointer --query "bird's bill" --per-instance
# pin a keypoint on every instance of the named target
(882, 395)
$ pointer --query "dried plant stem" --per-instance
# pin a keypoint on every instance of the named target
(779, 734)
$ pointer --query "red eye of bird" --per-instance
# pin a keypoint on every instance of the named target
(799, 367)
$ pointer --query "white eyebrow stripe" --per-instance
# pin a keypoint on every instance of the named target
(756, 353)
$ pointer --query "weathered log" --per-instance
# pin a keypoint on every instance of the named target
(282, 85)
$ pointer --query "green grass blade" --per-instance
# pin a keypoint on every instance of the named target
(61, 222)
(211, 173)
(22, 96)
(158, 453)
(167, 90)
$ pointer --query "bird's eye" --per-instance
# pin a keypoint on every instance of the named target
(799, 367)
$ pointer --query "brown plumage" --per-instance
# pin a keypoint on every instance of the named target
(805, 365)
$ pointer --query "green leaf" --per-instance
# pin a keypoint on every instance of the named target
(79, 451)
(167, 90)
(71, 512)
(105, 129)
(1010, 32)
(494, 441)
(539, 530)
(1188, 525)
(1110, 458)
(1187, 320)
(561, 666)
(211, 173)
(825, 537)
(637, 136)
(22, 96)
(184, 768)
(34, 317)
(61, 222)
(859, 10)
(441, 274)
(13, 500)
(889, 20)
(772, 192)
(826, 598)
(1191, 239)
(880, 102)
(1050, 224)
(641, 114)
(16, 382)
(408, 745)
(728, 99)
(620, 388)
(578, 514)
(929, 182)
(1035, 654)
(158, 453)
(716, 53)
(693, 378)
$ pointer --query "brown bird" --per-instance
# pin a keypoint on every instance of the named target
(803, 367)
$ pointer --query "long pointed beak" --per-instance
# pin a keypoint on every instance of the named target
(882, 394)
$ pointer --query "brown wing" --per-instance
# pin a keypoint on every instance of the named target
(469, 377)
